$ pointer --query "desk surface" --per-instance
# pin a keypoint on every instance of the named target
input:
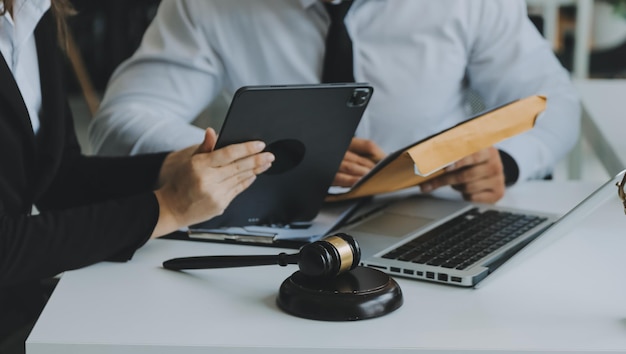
(604, 120)
(550, 302)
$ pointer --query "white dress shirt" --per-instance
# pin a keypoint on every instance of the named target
(17, 44)
(420, 56)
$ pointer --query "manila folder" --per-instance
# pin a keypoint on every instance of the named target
(427, 158)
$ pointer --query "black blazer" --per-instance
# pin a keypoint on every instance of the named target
(91, 208)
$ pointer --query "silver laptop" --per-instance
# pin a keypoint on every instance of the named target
(455, 242)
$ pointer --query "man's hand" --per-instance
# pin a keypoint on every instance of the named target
(479, 177)
(360, 158)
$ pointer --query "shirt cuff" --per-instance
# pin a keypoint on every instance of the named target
(511, 170)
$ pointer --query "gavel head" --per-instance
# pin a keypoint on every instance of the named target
(330, 256)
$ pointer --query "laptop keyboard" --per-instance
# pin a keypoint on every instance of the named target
(462, 241)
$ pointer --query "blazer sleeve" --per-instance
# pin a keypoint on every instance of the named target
(38, 246)
(93, 209)
(81, 179)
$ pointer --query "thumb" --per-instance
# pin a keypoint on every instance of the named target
(208, 144)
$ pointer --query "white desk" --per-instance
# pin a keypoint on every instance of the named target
(604, 120)
(550, 302)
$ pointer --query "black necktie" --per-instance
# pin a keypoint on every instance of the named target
(338, 57)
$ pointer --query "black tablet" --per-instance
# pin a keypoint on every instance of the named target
(309, 129)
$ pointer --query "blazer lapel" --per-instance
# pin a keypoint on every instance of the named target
(52, 89)
(50, 138)
(11, 98)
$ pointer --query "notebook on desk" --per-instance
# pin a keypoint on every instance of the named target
(455, 242)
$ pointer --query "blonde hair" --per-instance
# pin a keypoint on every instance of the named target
(61, 9)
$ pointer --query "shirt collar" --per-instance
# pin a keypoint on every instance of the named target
(308, 3)
(33, 6)
(26, 16)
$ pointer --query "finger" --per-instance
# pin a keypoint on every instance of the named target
(446, 179)
(345, 180)
(486, 169)
(493, 183)
(455, 178)
(261, 169)
(366, 148)
(353, 158)
(489, 190)
(231, 153)
(210, 138)
(354, 169)
(479, 157)
(251, 164)
(208, 144)
(487, 196)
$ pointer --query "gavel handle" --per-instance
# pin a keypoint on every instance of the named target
(208, 262)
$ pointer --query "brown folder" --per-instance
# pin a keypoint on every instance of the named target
(427, 158)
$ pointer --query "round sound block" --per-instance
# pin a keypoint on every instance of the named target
(356, 295)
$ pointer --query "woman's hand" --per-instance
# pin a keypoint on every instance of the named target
(198, 183)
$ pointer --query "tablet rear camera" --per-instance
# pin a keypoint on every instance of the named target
(359, 98)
